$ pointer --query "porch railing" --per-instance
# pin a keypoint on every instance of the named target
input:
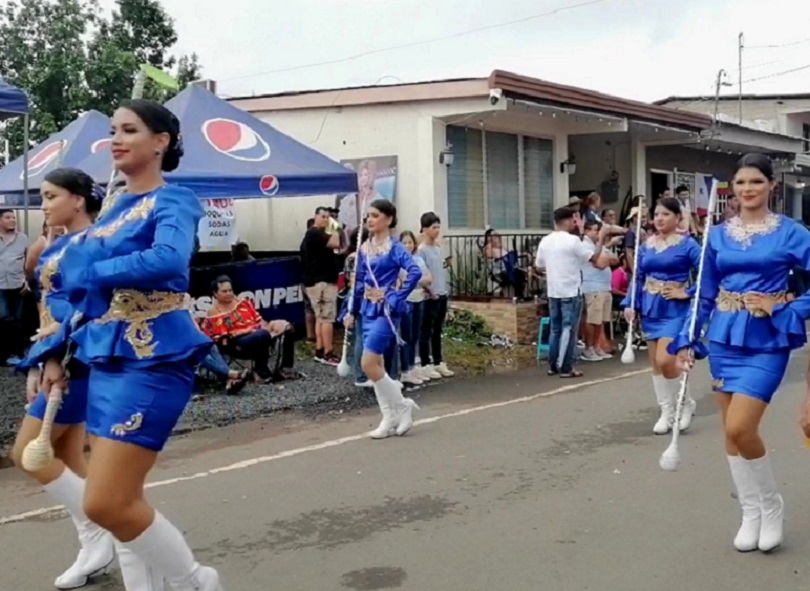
(477, 273)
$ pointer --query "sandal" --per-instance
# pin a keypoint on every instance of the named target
(574, 373)
(235, 386)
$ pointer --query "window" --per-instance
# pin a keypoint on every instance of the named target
(806, 136)
(501, 180)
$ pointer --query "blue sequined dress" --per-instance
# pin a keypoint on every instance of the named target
(748, 350)
(378, 268)
(663, 262)
(127, 276)
(57, 308)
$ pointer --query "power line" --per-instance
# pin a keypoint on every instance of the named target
(791, 44)
(357, 56)
(777, 74)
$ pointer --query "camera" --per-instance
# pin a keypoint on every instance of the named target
(495, 95)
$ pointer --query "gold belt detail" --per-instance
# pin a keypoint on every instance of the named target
(137, 308)
(374, 295)
(732, 301)
(657, 286)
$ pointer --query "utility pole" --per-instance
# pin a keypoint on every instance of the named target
(740, 71)
(721, 75)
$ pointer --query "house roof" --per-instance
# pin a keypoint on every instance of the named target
(513, 86)
(736, 97)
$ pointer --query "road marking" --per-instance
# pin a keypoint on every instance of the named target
(49, 511)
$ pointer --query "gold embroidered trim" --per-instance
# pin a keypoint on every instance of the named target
(657, 286)
(659, 244)
(732, 301)
(718, 385)
(109, 202)
(140, 211)
(372, 249)
(137, 309)
(743, 233)
(134, 423)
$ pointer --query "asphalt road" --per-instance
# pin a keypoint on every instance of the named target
(509, 484)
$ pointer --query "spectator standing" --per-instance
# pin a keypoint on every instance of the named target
(435, 306)
(562, 254)
(411, 322)
(596, 276)
(320, 274)
(13, 287)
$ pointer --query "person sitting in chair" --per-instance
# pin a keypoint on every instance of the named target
(234, 324)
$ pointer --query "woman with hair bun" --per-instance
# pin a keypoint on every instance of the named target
(380, 260)
(127, 277)
(753, 326)
(666, 261)
(70, 200)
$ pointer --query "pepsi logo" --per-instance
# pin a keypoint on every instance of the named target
(99, 145)
(269, 185)
(43, 157)
(235, 139)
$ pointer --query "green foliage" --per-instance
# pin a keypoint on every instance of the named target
(466, 326)
(70, 57)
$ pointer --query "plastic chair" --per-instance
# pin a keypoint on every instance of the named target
(543, 332)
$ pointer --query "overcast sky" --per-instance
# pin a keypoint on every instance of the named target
(643, 49)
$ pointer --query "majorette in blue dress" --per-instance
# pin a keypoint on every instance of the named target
(57, 309)
(127, 277)
(663, 262)
(748, 350)
(377, 272)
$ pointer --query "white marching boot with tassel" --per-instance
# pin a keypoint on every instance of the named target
(397, 411)
(747, 538)
(137, 575)
(772, 506)
(97, 552)
(666, 402)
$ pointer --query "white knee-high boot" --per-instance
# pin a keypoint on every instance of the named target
(97, 550)
(771, 504)
(137, 575)
(397, 411)
(163, 548)
(666, 402)
(747, 538)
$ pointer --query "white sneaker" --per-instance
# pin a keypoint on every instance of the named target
(602, 354)
(443, 371)
(431, 373)
(94, 559)
(410, 377)
(590, 355)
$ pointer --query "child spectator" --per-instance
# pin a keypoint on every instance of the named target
(435, 305)
(410, 323)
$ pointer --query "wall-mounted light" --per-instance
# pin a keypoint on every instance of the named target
(801, 185)
(446, 156)
(569, 166)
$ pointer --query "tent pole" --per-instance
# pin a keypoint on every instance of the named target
(25, 172)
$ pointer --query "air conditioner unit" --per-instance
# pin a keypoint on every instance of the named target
(209, 85)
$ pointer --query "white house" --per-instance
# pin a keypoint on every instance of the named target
(500, 152)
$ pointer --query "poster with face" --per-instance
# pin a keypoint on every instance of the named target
(376, 179)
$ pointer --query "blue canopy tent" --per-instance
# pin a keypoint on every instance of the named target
(87, 135)
(14, 103)
(230, 153)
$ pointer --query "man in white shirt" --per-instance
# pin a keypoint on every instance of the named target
(562, 255)
(596, 288)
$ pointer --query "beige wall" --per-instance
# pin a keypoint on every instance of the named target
(781, 114)
(597, 155)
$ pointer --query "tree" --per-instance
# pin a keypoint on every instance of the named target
(70, 57)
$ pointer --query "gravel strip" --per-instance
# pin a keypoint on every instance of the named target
(320, 392)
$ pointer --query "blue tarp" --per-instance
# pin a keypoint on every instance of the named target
(13, 101)
(89, 134)
(230, 153)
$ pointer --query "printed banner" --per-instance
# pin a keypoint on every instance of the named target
(376, 179)
(218, 228)
(273, 285)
